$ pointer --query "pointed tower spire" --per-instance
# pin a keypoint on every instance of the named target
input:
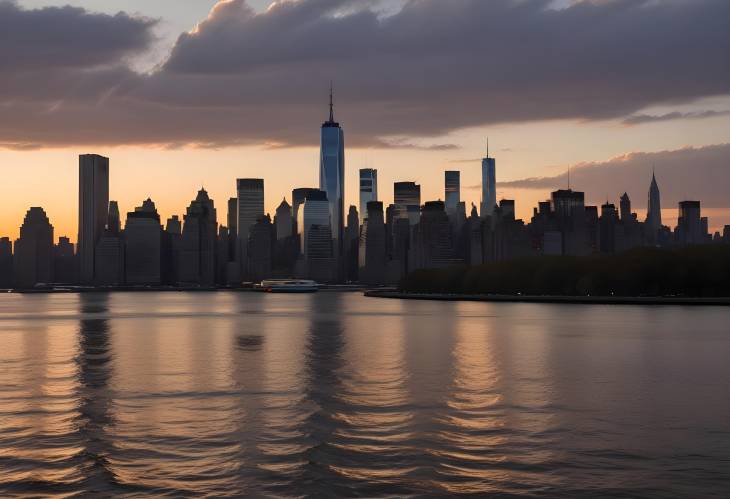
(487, 146)
(332, 106)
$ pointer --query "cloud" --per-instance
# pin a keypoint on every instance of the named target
(701, 173)
(430, 68)
(639, 119)
(67, 37)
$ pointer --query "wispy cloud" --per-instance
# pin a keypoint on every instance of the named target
(639, 119)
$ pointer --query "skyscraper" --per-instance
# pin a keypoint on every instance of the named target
(625, 208)
(198, 245)
(143, 239)
(489, 184)
(332, 177)
(654, 211)
(93, 210)
(283, 221)
(452, 191)
(250, 206)
(689, 223)
(6, 263)
(298, 196)
(407, 200)
(114, 223)
(232, 219)
(33, 259)
(372, 256)
(316, 236)
(368, 189)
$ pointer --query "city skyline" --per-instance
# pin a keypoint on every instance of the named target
(403, 129)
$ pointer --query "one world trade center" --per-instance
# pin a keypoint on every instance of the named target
(332, 179)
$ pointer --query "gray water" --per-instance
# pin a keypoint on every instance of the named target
(335, 394)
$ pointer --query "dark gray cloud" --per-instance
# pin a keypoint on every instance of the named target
(701, 173)
(67, 37)
(639, 119)
(432, 67)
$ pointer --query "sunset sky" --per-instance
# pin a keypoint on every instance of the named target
(181, 94)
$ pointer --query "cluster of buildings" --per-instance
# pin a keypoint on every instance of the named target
(312, 237)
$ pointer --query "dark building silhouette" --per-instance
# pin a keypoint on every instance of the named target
(171, 249)
(283, 221)
(232, 221)
(64, 262)
(109, 260)
(222, 253)
(143, 240)
(432, 244)
(33, 258)
(690, 229)
(260, 246)
(93, 210)
(6, 262)
(113, 220)
(654, 210)
(198, 243)
(352, 244)
(625, 204)
(372, 253)
(608, 224)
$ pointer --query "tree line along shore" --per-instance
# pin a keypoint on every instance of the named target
(697, 271)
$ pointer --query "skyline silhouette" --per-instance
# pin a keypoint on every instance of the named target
(156, 92)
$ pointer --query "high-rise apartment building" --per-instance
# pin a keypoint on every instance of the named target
(93, 210)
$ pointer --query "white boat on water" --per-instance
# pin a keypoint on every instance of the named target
(289, 286)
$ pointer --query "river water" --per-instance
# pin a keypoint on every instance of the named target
(335, 394)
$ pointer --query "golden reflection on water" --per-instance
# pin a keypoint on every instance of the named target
(236, 394)
(374, 419)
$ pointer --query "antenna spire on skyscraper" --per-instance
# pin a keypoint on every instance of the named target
(332, 106)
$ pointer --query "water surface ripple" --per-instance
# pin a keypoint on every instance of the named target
(338, 395)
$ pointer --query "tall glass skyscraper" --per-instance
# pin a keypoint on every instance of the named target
(489, 184)
(332, 177)
(452, 189)
(368, 190)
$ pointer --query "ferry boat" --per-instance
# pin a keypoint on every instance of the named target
(289, 286)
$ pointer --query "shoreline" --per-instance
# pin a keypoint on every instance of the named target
(572, 300)
(168, 289)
